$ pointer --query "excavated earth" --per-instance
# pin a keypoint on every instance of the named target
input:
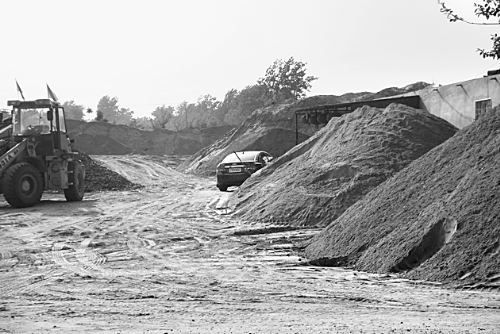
(316, 181)
(167, 258)
(438, 219)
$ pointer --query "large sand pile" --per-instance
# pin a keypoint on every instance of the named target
(438, 219)
(317, 181)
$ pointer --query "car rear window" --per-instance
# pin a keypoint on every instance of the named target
(244, 156)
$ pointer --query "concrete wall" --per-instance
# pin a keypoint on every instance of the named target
(456, 102)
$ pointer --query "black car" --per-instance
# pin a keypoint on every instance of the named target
(238, 166)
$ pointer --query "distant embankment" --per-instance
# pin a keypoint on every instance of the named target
(100, 138)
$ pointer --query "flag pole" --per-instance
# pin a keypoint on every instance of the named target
(19, 90)
(50, 93)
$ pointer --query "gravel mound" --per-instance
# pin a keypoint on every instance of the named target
(438, 219)
(316, 181)
(101, 178)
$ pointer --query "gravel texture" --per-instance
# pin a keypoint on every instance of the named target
(438, 219)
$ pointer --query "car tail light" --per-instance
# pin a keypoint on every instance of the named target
(254, 167)
(220, 169)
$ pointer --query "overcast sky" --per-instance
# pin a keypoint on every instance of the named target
(153, 52)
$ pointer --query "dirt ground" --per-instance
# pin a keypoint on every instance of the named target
(167, 258)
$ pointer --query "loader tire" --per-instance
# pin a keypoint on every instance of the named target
(76, 176)
(22, 185)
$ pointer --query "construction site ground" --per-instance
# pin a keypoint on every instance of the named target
(169, 258)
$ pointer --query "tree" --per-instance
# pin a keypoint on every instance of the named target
(185, 113)
(112, 112)
(489, 9)
(143, 123)
(108, 107)
(286, 80)
(161, 116)
(124, 116)
(206, 111)
(100, 116)
(243, 104)
(73, 110)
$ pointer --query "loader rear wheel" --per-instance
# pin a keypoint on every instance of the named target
(22, 185)
(76, 176)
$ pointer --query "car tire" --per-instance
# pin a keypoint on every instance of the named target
(222, 188)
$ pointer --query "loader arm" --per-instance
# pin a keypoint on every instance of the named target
(10, 156)
(4, 132)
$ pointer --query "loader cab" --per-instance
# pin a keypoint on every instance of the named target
(43, 119)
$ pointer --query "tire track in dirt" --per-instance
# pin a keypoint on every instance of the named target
(7, 260)
(19, 286)
(119, 221)
(28, 282)
(146, 172)
(63, 258)
(91, 259)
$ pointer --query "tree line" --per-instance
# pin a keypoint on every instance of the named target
(284, 80)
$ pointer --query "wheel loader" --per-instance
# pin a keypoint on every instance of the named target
(36, 154)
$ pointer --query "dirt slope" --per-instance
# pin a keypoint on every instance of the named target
(438, 219)
(317, 181)
(97, 138)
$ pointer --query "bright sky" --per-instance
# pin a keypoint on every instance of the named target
(153, 52)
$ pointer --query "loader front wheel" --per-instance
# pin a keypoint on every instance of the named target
(76, 176)
(22, 185)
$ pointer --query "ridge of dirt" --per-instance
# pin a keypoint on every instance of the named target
(316, 181)
(437, 220)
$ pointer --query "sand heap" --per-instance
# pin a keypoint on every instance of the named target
(318, 180)
(438, 219)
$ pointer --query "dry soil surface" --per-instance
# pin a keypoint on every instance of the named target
(167, 258)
